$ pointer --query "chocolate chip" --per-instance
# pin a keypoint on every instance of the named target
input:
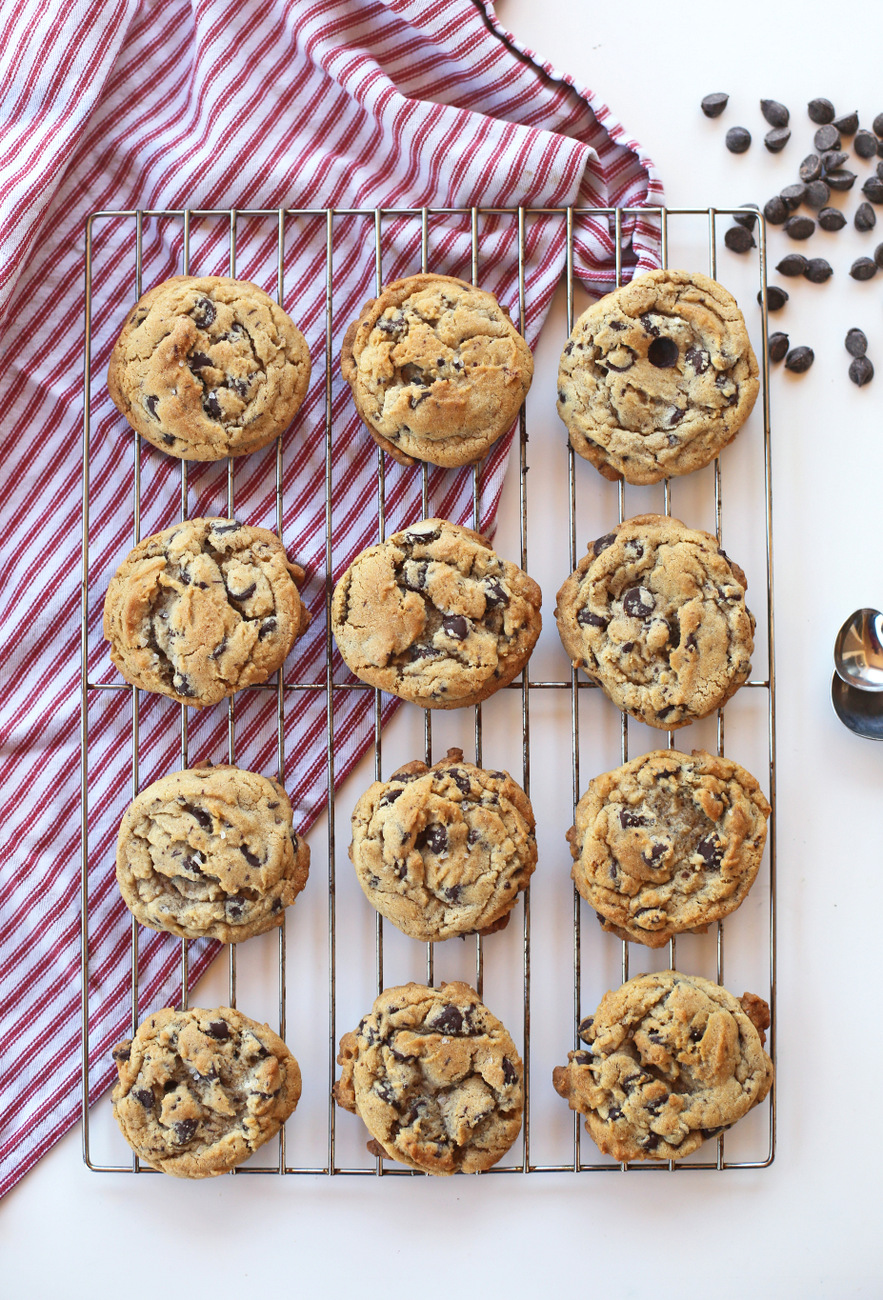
(212, 406)
(448, 1021)
(494, 595)
(878, 255)
(226, 526)
(472, 838)
(776, 139)
(746, 219)
(649, 324)
(818, 270)
(251, 858)
(778, 344)
(737, 240)
(243, 595)
(775, 297)
(122, 1052)
(817, 195)
(861, 371)
(663, 352)
(585, 1027)
(204, 313)
(184, 1130)
(198, 361)
(626, 354)
(821, 111)
(218, 1029)
(434, 838)
(827, 137)
(628, 818)
(774, 112)
(738, 139)
(456, 626)
(880, 165)
(847, 124)
(832, 159)
(863, 268)
(203, 818)
(856, 342)
(811, 168)
(510, 1074)
(654, 856)
(580, 1058)
(267, 628)
(775, 210)
(638, 602)
(877, 124)
(865, 144)
(799, 227)
(413, 374)
(840, 179)
(460, 779)
(425, 652)
(799, 360)
(710, 851)
(238, 386)
(144, 1097)
(151, 404)
(603, 542)
(388, 797)
(714, 105)
(793, 264)
(189, 863)
(586, 618)
(831, 219)
(235, 908)
(865, 217)
(873, 189)
(793, 195)
(698, 358)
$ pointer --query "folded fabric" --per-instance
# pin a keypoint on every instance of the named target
(162, 105)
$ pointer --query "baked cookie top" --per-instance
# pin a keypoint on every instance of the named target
(670, 1060)
(657, 377)
(668, 842)
(203, 609)
(434, 616)
(207, 366)
(211, 852)
(655, 614)
(199, 1091)
(444, 850)
(437, 370)
(435, 1078)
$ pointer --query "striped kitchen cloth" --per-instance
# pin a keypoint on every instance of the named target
(118, 105)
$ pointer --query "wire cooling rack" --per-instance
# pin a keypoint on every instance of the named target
(598, 960)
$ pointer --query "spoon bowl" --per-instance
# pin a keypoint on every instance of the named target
(860, 711)
(858, 651)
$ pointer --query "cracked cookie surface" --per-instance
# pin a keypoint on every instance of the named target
(655, 613)
(200, 1090)
(668, 842)
(670, 1060)
(435, 1077)
(434, 616)
(437, 370)
(208, 366)
(203, 609)
(444, 850)
(657, 377)
(210, 852)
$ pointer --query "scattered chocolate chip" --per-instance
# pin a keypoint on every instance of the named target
(746, 219)
(831, 219)
(212, 406)
(818, 270)
(799, 227)
(226, 526)
(714, 105)
(663, 352)
(880, 166)
(873, 189)
(144, 1097)
(655, 855)
(494, 595)
(710, 851)
(738, 139)
(586, 618)
(234, 908)
(861, 371)
(638, 602)
(793, 195)
(184, 1130)
(122, 1052)
(628, 819)
(793, 264)
(775, 210)
(776, 139)
(251, 858)
(840, 179)
(448, 1021)
(204, 313)
(878, 254)
(218, 1029)
(152, 402)
(737, 240)
(821, 111)
(811, 168)
(863, 268)
(456, 626)
(198, 361)
(698, 358)
(847, 124)
(799, 360)
(832, 159)
(865, 217)
(856, 342)
(774, 112)
(434, 838)
(775, 297)
(243, 595)
(585, 1026)
(202, 818)
(268, 627)
(603, 542)
(817, 195)
(778, 345)
(865, 144)
(877, 124)
(827, 137)
(510, 1074)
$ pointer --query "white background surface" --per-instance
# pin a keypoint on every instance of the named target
(808, 1225)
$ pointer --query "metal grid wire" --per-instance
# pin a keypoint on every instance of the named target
(520, 1158)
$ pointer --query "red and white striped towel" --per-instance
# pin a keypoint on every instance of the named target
(165, 104)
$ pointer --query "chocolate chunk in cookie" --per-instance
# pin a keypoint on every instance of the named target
(203, 609)
(657, 618)
(672, 1059)
(211, 852)
(444, 850)
(437, 370)
(657, 377)
(435, 1077)
(199, 1091)
(208, 366)
(668, 842)
(434, 616)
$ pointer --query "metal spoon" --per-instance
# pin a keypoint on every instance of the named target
(860, 711)
(858, 650)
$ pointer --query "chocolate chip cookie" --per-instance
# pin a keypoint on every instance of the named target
(655, 614)
(211, 852)
(437, 370)
(435, 1078)
(657, 377)
(207, 366)
(434, 616)
(444, 850)
(668, 842)
(199, 1091)
(670, 1060)
(203, 609)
